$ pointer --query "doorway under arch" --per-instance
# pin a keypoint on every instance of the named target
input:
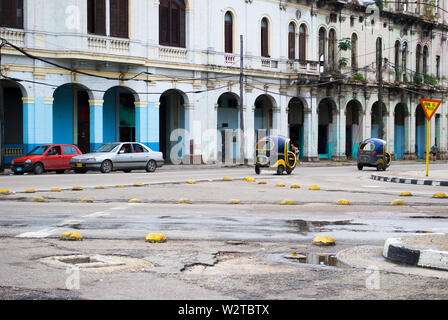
(353, 132)
(295, 123)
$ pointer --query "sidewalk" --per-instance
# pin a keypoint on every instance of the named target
(426, 250)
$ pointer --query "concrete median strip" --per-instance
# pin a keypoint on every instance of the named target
(426, 250)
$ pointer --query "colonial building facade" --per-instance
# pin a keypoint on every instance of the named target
(169, 73)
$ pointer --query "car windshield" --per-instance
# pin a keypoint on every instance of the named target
(37, 151)
(107, 147)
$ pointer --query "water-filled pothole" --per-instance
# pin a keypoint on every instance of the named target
(312, 258)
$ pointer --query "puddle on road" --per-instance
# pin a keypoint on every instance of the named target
(319, 259)
(304, 226)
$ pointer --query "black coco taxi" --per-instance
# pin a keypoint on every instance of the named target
(275, 153)
(372, 153)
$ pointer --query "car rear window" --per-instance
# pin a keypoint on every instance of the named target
(367, 146)
(69, 150)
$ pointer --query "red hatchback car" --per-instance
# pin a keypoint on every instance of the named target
(49, 157)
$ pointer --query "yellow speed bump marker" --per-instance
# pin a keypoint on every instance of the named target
(38, 199)
(261, 182)
(30, 191)
(99, 187)
(138, 184)
(287, 202)
(185, 200)
(77, 188)
(440, 195)
(343, 202)
(191, 181)
(227, 179)
(314, 188)
(119, 186)
(87, 200)
(5, 192)
(249, 179)
(406, 194)
(234, 201)
(155, 237)
(135, 200)
(280, 184)
(55, 190)
(295, 186)
(71, 236)
(397, 202)
(324, 241)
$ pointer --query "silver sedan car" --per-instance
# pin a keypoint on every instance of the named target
(116, 156)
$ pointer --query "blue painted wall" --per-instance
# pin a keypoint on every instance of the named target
(399, 141)
(62, 115)
(109, 117)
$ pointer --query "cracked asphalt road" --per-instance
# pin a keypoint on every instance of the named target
(197, 261)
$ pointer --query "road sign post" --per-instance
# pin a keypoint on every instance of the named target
(430, 108)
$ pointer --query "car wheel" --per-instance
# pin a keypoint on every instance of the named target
(289, 170)
(360, 166)
(127, 171)
(106, 166)
(257, 169)
(80, 170)
(379, 167)
(38, 168)
(151, 166)
(60, 171)
(280, 169)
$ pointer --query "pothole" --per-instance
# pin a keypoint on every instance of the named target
(98, 263)
(312, 258)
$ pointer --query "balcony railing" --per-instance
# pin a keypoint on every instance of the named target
(15, 37)
(103, 44)
(173, 54)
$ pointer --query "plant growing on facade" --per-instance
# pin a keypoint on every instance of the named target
(344, 44)
(430, 79)
(358, 76)
(398, 73)
(418, 78)
(380, 4)
(430, 10)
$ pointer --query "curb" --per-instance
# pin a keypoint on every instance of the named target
(396, 251)
(426, 182)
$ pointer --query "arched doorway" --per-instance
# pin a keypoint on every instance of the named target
(399, 130)
(375, 120)
(71, 116)
(325, 120)
(263, 116)
(353, 132)
(172, 117)
(11, 110)
(119, 115)
(295, 123)
(420, 132)
(227, 125)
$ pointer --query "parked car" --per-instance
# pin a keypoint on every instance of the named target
(116, 156)
(48, 157)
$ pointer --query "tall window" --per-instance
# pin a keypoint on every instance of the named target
(172, 23)
(398, 5)
(11, 13)
(404, 57)
(438, 67)
(228, 30)
(332, 49)
(96, 17)
(354, 51)
(119, 18)
(397, 60)
(425, 60)
(302, 42)
(322, 45)
(292, 41)
(264, 38)
(418, 57)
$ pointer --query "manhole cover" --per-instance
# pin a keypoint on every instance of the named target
(99, 263)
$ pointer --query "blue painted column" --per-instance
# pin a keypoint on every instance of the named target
(96, 123)
(37, 122)
(28, 124)
(154, 125)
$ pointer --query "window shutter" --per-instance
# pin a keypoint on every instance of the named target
(114, 20)
(100, 17)
(228, 37)
(119, 18)
(163, 22)
(124, 19)
(302, 45)
(264, 42)
(292, 45)
(9, 14)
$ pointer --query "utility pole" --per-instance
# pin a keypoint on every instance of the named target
(380, 87)
(243, 158)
